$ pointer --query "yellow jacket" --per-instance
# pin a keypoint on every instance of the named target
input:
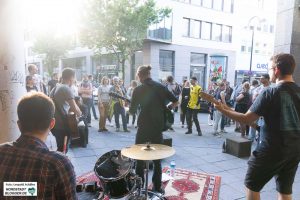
(194, 97)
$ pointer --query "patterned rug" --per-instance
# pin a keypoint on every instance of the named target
(188, 185)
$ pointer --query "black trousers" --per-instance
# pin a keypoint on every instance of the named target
(60, 136)
(189, 114)
(143, 136)
(183, 113)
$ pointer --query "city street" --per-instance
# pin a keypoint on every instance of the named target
(201, 154)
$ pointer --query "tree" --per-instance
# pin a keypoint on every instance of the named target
(53, 47)
(119, 26)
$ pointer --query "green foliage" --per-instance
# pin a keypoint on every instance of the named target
(52, 47)
(119, 26)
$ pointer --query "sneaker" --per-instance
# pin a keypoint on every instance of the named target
(89, 125)
(117, 129)
(105, 129)
(96, 118)
(100, 130)
(126, 131)
(199, 133)
(189, 132)
(182, 126)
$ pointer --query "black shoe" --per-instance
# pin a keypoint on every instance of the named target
(96, 118)
(100, 130)
(189, 132)
(199, 133)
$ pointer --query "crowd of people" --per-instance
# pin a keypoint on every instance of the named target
(239, 98)
(271, 113)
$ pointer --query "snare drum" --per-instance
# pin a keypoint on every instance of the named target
(114, 172)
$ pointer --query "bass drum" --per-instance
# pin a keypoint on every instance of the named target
(114, 172)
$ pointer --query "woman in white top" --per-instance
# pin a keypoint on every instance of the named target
(103, 103)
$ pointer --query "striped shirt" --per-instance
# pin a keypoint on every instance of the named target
(29, 160)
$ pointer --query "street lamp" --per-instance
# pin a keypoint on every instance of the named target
(252, 39)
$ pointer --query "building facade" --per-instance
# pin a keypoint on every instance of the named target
(209, 39)
(201, 42)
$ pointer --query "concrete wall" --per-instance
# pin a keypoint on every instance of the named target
(287, 38)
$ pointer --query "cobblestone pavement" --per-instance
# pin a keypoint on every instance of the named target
(202, 154)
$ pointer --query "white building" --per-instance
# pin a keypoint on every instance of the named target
(202, 38)
(256, 17)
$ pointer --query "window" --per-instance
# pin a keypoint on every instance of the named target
(196, 2)
(166, 63)
(243, 48)
(228, 6)
(206, 31)
(271, 28)
(198, 59)
(217, 32)
(249, 49)
(186, 27)
(256, 51)
(226, 33)
(195, 29)
(162, 30)
(265, 28)
(207, 3)
(218, 4)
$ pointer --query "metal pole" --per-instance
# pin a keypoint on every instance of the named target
(251, 52)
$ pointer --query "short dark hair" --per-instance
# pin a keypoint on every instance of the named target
(170, 79)
(67, 74)
(144, 70)
(285, 62)
(35, 111)
(254, 82)
(194, 78)
(266, 76)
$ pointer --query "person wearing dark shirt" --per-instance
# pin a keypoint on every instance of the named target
(278, 151)
(29, 160)
(30, 84)
(151, 97)
(52, 83)
(185, 97)
(63, 98)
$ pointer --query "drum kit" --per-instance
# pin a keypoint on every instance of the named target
(115, 170)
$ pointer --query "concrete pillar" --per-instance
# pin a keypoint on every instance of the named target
(12, 67)
(287, 37)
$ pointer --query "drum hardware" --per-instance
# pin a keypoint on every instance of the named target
(147, 152)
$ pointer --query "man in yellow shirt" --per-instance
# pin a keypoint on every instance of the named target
(193, 107)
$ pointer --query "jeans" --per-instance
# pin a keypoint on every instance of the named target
(217, 118)
(119, 110)
(93, 108)
(192, 113)
(89, 103)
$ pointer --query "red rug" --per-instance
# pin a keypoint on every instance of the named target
(189, 185)
(186, 185)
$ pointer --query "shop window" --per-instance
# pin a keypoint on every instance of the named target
(166, 63)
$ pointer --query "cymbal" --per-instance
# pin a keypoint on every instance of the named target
(151, 152)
